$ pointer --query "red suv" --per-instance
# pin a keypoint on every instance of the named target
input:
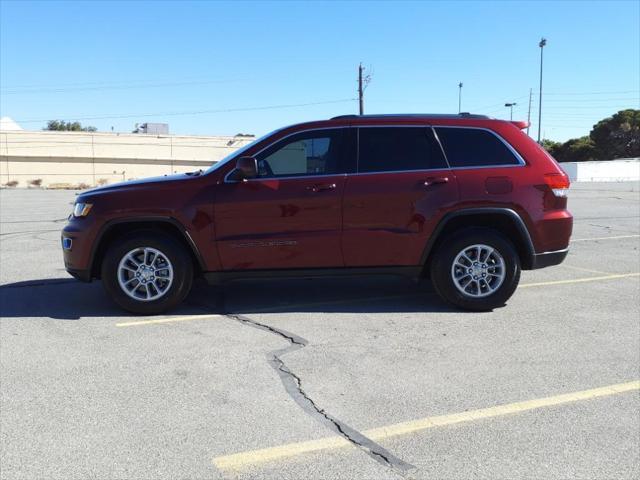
(464, 199)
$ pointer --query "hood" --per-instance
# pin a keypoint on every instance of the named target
(142, 181)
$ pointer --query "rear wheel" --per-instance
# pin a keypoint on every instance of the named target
(476, 269)
(147, 272)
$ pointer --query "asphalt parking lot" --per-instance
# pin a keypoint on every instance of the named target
(355, 378)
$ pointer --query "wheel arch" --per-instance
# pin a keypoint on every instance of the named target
(503, 220)
(115, 228)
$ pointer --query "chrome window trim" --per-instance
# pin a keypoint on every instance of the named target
(299, 177)
(521, 161)
(444, 154)
(445, 169)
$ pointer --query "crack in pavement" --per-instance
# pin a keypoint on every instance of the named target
(293, 385)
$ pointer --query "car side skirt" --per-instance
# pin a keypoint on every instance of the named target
(217, 278)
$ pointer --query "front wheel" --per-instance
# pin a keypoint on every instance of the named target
(476, 269)
(147, 273)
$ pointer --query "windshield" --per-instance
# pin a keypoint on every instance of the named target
(237, 153)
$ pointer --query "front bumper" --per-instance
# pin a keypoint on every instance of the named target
(76, 242)
(82, 275)
(547, 259)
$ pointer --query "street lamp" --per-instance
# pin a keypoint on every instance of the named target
(459, 97)
(543, 42)
(510, 105)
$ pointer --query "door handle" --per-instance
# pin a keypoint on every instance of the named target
(322, 186)
(435, 181)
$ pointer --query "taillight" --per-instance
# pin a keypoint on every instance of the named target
(558, 182)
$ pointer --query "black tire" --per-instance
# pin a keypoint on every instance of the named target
(173, 250)
(443, 260)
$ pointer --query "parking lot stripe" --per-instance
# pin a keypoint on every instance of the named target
(253, 457)
(603, 238)
(363, 299)
(165, 320)
(599, 272)
(579, 280)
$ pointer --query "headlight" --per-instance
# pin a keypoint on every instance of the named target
(81, 209)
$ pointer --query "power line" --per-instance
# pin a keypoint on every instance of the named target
(591, 93)
(590, 100)
(192, 112)
(27, 90)
(500, 104)
(109, 83)
(586, 107)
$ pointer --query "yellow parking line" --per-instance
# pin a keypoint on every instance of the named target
(279, 308)
(362, 299)
(600, 272)
(243, 459)
(579, 280)
(165, 320)
(603, 238)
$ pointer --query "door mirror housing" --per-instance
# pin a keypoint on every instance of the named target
(246, 167)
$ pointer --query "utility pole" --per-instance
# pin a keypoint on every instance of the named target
(543, 42)
(360, 89)
(529, 112)
(460, 97)
(510, 105)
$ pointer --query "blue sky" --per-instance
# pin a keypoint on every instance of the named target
(192, 64)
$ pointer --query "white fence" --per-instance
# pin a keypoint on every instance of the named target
(623, 170)
(80, 159)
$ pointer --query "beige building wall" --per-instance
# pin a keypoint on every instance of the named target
(67, 159)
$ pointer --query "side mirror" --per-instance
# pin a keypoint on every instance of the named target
(246, 167)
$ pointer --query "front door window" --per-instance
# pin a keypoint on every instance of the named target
(310, 153)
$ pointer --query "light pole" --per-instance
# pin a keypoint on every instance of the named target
(360, 90)
(543, 42)
(510, 106)
(459, 97)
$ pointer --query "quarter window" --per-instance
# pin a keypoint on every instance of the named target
(385, 149)
(309, 153)
(472, 147)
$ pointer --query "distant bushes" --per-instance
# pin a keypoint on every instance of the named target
(614, 137)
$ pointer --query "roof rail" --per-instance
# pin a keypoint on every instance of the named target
(420, 115)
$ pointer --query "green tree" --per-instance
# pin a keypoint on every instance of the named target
(577, 150)
(551, 147)
(62, 126)
(618, 136)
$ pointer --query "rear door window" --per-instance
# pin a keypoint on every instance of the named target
(393, 149)
(474, 147)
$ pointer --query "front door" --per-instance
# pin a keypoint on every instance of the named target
(290, 216)
(392, 205)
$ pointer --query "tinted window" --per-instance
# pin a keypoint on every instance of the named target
(309, 153)
(469, 147)
(383, 149)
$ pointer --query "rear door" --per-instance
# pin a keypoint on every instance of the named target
(391, 205)
(291, 215)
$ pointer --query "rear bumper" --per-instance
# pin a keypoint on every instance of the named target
(547, 259)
